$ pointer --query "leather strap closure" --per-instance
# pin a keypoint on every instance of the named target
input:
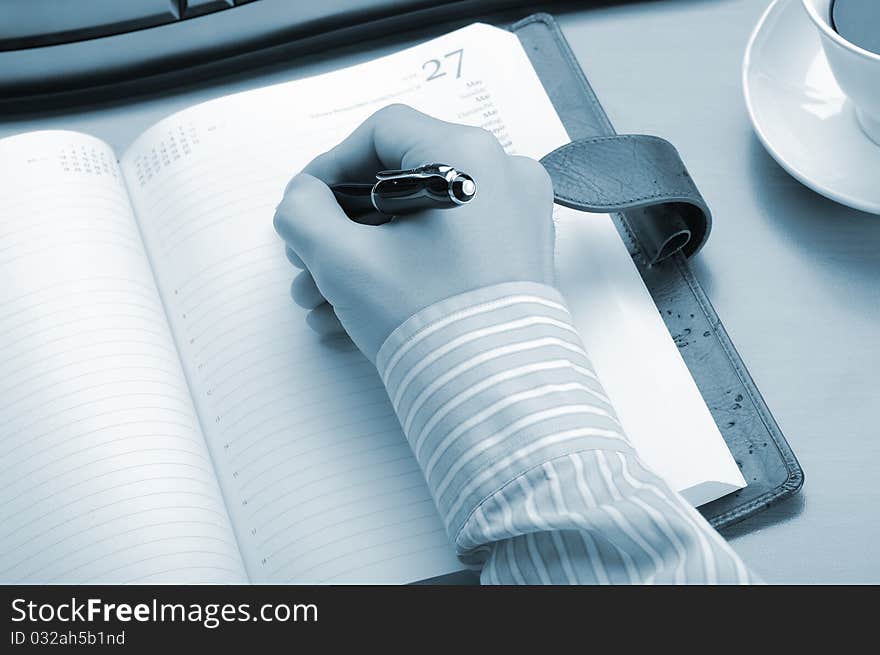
(641, 176)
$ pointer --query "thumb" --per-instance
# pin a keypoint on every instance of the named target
(309, 219)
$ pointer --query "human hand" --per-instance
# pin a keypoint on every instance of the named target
(368, 280)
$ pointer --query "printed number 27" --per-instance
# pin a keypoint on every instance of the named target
(435, 66)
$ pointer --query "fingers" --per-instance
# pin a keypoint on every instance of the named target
(323, 320)
(305, 292)
(309, 218)
(386, 140)
(293, 258)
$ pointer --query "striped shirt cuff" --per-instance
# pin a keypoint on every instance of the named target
(489, 385)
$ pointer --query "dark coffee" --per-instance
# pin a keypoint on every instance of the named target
(858, 21)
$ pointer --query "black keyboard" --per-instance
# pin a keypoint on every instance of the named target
(67, 46)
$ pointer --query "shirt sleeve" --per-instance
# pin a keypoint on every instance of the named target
(524, 455)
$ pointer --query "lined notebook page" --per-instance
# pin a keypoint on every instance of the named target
(104, 473)
(321, 483)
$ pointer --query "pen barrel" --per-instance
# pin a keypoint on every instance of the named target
(397, 193)
(405, 195)
(356, 201)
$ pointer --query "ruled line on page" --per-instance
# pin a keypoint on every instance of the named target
(105, 473)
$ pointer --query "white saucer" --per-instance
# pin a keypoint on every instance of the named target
(801, 115)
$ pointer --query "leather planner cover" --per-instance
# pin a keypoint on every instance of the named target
(663, 221)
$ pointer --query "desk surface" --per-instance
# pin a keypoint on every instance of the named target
(794, 277)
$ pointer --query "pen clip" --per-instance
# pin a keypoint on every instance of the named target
(423, 171)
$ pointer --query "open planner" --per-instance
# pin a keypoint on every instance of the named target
(168, 416)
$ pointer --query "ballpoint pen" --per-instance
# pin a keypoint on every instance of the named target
(400, 192)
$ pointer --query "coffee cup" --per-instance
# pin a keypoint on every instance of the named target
(856, 70)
